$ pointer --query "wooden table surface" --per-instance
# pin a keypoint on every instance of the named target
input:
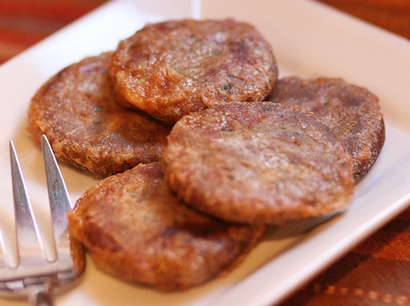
(377, 272)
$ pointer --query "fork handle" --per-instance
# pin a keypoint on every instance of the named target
(41, 296)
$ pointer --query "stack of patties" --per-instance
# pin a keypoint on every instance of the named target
(351, 112)
(180, 104)
(77, 110)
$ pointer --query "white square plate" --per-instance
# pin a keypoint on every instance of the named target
(309, 39)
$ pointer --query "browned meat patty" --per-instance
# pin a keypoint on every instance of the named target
(77, 111)
(258, 163)
(352, 112)
(77, 252)
(173, 68)
(135, 228)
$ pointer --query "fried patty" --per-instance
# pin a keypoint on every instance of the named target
(352, 112)
(77, 111)
(173, 68)
(258, 162)
(135, 228)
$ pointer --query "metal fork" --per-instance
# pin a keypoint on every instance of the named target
(35, 275)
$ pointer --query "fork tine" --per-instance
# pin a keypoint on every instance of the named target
(3, 255)
(29, 243)
(60, 202)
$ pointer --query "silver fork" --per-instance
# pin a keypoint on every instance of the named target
(35, 275)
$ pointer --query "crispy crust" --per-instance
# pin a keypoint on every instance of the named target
(352, 112)
(258, 163)
(173, 68)
(135, 228)
(77, 111)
